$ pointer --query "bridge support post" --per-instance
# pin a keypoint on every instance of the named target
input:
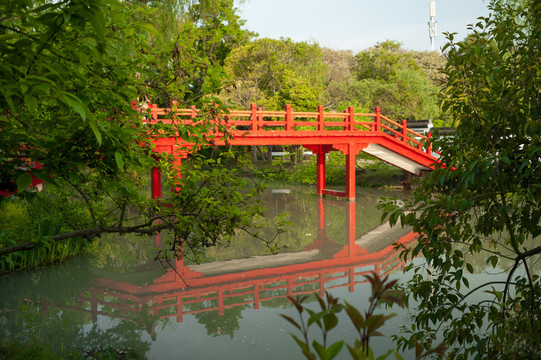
(320, 172)
(156, 182)
(351, 152)
(350, 174)
(321, 151)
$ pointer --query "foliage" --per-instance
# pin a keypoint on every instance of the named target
(485, 200)
(67, 79)
(189, 47)
(432, 63)
(339, 80)
(15, 351)
(273, 73)
(213, 206)
(366, 324)
(19, 351)
(391, 78)
(24, 221)
(382, 61)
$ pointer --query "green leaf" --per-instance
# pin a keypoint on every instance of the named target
(393, 297)
(96, 132)
(374, 322)
(83, 58)
(315, 318)
(291, 321)
(458, 274)
(309, 355)
(355, 316)
(386, 355)
(31, 102)
(148, 28)
(320, 350)
(335, 349)
(41, 89)
(330, 321)
(23, 182)
(75, 103)
(98, 23)
(119, 160)
(397, 355)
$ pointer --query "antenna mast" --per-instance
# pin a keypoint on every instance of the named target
(432, 24)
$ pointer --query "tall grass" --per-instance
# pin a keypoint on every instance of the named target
(24, 220)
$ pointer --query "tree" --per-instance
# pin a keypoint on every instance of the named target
(485, 198)
(381, 61)
(69, 71)
(187, 50)
(66, 88)
(391, 78)
(339, 80)
(272, 73)
(432, 63)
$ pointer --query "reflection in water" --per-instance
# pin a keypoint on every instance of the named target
(226, 284)
(139, 310)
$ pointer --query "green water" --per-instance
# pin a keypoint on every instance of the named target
(225, 308)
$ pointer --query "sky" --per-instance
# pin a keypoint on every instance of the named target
(359, 24)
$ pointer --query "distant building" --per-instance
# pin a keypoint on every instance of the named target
(444, 131)
(420, 126)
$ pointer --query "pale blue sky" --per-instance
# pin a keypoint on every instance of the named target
(358, 24)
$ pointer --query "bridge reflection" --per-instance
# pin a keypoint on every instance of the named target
(222, 285)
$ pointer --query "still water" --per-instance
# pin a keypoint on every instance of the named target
(225, 308)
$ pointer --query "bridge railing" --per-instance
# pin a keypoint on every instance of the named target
(257, 120)
(401, 131)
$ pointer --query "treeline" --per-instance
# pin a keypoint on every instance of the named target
(273, 73)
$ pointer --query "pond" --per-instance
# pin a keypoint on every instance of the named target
(226, 307)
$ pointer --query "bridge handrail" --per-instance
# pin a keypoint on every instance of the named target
(257, 120)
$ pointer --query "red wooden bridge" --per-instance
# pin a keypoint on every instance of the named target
(321, 132)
